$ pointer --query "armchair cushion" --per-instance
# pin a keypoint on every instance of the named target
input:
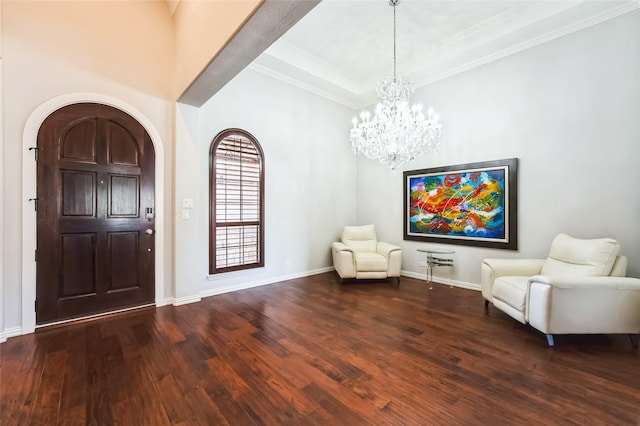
(581, 258)
(370, 262)
(511, 290)
(360, 238)
(510, 295)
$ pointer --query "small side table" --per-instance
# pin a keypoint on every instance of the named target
(436, 257)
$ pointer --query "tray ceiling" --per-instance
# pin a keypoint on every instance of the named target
(341, 49)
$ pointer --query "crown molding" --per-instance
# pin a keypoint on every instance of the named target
(532, 42)
(293, 55)
(322, 79)
(490, 30)
(302, 85)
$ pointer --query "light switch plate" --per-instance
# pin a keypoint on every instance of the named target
(187, 203)
(186, 214)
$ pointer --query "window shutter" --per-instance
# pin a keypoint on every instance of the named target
(237, 202)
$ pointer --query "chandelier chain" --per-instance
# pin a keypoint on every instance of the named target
(394, 4)
(398, 132)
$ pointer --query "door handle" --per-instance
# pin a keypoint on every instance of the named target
(148, 231)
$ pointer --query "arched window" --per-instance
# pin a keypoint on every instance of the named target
(236, 228)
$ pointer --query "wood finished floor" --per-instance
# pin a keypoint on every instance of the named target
(313, 351)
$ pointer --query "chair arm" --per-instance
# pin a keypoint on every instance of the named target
(589, 305)
(393, 256)
(495, 268)
(588, 283)
(343, 260)
(338, 246)
(386, 248)
(514, 267)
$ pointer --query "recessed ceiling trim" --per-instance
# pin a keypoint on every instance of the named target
(302, 85)
(515, 29)
(503, 24)
(544, 38)
(510, 20)
(299, 58)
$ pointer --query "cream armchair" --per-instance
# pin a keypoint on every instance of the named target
(580, 288)
(360, 255)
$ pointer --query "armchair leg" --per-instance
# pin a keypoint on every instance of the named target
(550, 339)
(398, 282)
(486, 304)
(634, 340)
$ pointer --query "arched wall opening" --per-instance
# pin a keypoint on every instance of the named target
(29, 139)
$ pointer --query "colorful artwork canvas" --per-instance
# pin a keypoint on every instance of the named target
(465, 204)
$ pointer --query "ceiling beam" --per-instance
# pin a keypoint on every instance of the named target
(270, 21)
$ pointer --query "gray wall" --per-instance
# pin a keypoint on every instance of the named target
(569, 109)
(310, 179)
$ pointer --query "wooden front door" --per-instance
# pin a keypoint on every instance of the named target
(95, 213)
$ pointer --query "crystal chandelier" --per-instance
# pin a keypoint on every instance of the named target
(398, 132)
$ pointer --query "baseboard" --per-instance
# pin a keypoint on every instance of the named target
(165, 302)
(13, 332)
(10, 332)
(273, 280)
(186, 300)
(442, 280)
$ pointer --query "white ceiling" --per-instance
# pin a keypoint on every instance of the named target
(341, 48)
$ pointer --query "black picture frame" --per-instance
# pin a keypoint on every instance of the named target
(472, 204)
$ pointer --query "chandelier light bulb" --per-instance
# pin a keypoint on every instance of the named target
(398, 132)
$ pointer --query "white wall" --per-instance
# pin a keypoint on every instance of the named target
(191, 178)
(310, 180)
(122, 50)
(570, 111)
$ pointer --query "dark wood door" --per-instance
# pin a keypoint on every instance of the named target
(95, 219)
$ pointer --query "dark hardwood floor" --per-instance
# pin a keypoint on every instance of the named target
(314, 351)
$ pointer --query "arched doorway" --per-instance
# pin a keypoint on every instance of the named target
(32, 126)
(95, 213)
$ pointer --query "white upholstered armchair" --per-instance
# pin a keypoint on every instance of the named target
(580, 288)
(361, 255)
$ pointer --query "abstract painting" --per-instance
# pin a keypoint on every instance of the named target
(471, 204)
